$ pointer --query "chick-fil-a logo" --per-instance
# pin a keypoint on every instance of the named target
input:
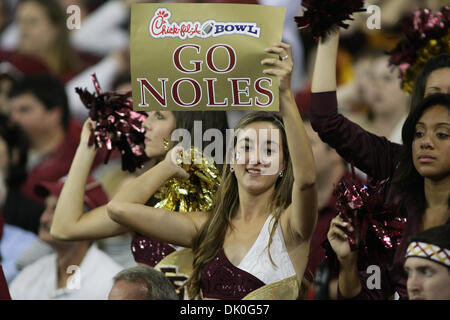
(160, 27)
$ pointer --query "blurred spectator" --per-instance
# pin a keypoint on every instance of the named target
(15, 206)
(142, 283)
(39, 105)
(388, 103)
(330, 168)
(376, 96)
(77, 269)
(19, 213)
(8, 75)
(14, 243)
(12, 69)
(42, 33)
(105, 30)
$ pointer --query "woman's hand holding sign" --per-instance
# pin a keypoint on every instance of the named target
(283, 64)
(281, 67)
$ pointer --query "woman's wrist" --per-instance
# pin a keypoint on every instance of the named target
(167, 167)
(348, 261)
(287, 102)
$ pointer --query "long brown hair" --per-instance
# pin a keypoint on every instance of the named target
(67, 59)
(209, 240)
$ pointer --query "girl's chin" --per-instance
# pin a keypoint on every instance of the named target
(256, 187)
(154, 155)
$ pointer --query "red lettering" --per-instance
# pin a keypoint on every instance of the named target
(176, 95)
(156, 25)
(231, 58)
(212, 93)
(237, 91)
(263, 91)
(160, 97)
(176, 59)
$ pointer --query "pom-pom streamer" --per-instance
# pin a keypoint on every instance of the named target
(379, 225)
(118, 126)
(427, 35)
(195, 193)
(324, 16)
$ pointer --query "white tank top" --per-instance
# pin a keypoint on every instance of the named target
(257, 261)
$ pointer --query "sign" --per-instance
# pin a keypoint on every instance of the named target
(197, 57)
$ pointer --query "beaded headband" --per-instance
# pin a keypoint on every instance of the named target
(430, 252)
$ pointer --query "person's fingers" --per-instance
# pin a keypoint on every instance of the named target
(339, 228)
(275, 72)
(342, 224)
(176, 154)
(283, 45)
(278, 51)
(283, 52)
(183, 174)
(272, 62)
(287, 48)
(336, 232)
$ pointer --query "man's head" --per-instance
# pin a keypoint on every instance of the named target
(428, 264)
(39, 104)
(142, 283)
(94, 197)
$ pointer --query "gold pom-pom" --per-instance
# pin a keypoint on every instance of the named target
(195, 193)
(433, 48)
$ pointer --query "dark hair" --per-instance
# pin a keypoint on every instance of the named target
(438, 62)
(67, 59)
(209, 120)
(158, 285)
(438, 236)
(17, 145)
(407, 178)
(48, 90)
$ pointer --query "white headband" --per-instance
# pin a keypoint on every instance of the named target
(429, 251)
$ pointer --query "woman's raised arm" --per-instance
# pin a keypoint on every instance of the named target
(69, 222)
(324, 75)
(127, 206)
(301, 216)
(374, 155)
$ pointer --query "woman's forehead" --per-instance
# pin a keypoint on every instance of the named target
(259, 131)
(435, 114)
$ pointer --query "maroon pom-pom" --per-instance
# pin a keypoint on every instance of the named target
(380, 225)
(118, 126)
(323, 16)
(419, 29)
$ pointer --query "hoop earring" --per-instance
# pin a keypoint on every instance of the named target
(231, 169)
